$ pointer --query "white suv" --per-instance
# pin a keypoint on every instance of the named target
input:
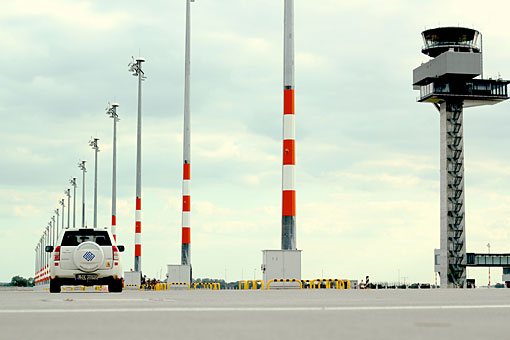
(85, 257)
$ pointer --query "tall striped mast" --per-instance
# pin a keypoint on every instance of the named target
(136, 69)
(288, 170)
(112, 113)
(186, 178)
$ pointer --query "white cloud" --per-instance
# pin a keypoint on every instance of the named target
(70, 14)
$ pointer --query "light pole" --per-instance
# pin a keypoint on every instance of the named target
(62, 203)
(136, 68)
(186, 178)
(112, 113)
(82, 167)
(95, 147)
(35, 263)
(288, 169)
(73, 183)
(56, 228)
(489, 248)
(52, 224)
(39, 261)
(45, 254)
(67, 192)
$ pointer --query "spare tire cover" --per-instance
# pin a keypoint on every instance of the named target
(88, 256)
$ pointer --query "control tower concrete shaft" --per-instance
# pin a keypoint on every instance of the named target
(448, 81)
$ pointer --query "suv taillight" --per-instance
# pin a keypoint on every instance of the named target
(57, 255)
(115, 255)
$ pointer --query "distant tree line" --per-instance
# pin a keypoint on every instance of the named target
(19, 281)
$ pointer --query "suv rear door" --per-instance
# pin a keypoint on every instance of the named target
(72, 238)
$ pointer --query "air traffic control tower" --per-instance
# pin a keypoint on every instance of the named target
(450, 82)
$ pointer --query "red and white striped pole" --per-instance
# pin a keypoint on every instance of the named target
(288, 171)
(186, 183)
(186, 214)
(112, 113)
(136, 68)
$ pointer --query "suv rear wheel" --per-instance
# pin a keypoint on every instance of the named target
(115, 286)
(54, 286)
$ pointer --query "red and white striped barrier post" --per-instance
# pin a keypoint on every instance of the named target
(288, 171)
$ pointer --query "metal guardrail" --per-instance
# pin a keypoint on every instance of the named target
(137, 287)
(169, 285)
(254, 284)
(338, 283)
(72, 289)
(243, 285)
(207, 285)
(284, 280)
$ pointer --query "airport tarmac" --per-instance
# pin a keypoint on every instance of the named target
(275, 314)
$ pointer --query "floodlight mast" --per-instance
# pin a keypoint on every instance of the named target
(73, 183)
(52, 224)
(67, 192)
(186, 184)
(288, 169)
(136, 68)
(112, 113)
(56, 227)
(82, 167)
(35, 264)
(46, 242)
(62, 203)
(95, 147)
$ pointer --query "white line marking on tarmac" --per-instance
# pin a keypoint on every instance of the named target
(106, 300)
(250, 309)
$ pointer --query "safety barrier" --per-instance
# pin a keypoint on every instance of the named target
(319, 282)
(160, 286)
(65, 289)
(137, 286)
(305, 284)
(254, 284)
(169, 285)
(284, 280)
(339, 284)
(207, 285)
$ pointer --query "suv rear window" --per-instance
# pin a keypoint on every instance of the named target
(73, 238)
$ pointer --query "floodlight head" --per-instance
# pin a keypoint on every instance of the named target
(81, 165)
(93, 143)
(136, 67)
(112, 111)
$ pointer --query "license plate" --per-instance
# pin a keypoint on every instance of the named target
(86, 277)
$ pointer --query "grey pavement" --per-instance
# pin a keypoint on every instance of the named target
(274, 314)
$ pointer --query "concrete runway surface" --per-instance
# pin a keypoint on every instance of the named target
(274, 314)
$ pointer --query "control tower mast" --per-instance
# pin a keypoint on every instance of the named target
(448, 81)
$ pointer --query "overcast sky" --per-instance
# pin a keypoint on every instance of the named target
(367, 153)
